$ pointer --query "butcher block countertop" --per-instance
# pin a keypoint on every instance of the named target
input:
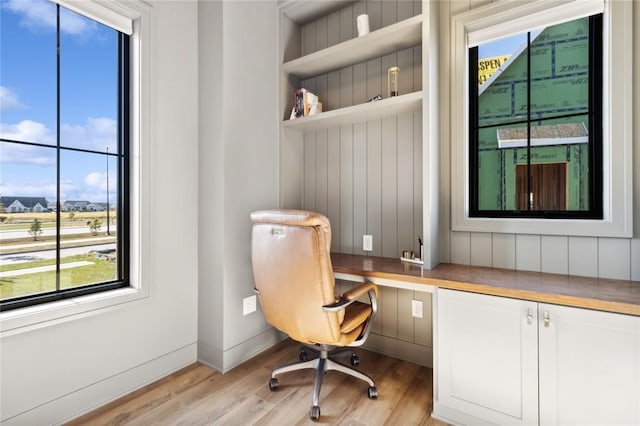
(609, 295)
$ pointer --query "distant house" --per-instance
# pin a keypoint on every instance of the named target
(76, 206)
(24, 204)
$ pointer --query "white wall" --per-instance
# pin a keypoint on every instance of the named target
(617, 258)
(58, 370)
(238, 170)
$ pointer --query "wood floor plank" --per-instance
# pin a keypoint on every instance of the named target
(199, 395)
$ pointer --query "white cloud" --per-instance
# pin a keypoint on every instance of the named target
(27, 154)
(98, 180)
(9, 100)
(96, 134)
(36, 189)
(40, 15)
(29, 131)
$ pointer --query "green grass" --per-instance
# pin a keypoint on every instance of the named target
(41, 282)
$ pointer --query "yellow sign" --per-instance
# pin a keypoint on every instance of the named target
(487, 66)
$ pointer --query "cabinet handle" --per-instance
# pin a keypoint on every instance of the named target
(547, 319)
(530, 316)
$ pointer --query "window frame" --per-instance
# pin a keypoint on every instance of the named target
(139, 16)
(506, 17)
(594, 113)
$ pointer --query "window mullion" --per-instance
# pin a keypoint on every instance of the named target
(58, 191)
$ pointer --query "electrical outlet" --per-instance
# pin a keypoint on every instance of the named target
(416, 308)
(248, 305)
(367, 242)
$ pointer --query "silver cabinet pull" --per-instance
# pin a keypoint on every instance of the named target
(546, 318)
(530, 316)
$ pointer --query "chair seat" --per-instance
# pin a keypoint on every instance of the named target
(355, 316)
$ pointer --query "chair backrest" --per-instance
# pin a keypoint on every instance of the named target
(290, 252)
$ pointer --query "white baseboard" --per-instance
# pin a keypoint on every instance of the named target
(86, 399)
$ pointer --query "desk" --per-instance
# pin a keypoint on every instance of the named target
(582, 292)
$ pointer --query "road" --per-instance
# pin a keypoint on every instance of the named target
(11, 259)
(68, 230)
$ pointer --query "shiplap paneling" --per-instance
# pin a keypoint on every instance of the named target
(461, 248)
(614, 258)
(554, 254)
(583, 256)
(528, 252)
(366, 177)
(504, 251)
(481, 252)
(635, 259)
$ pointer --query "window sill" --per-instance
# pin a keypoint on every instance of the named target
(34, 317)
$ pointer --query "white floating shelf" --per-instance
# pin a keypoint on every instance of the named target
(358, 113)
(386, 40)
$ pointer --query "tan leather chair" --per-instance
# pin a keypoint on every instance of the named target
(290, 251)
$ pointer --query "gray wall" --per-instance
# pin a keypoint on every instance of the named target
(238, 170)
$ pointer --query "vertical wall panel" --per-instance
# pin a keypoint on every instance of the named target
(347, 25)
(504, 251)
(405, 63)
(389, 13)
(405, 319)
(405, 184)
(374, 10)
(635, 259)
(614, 258)
(583, 256)
(528, 252)
(309, 197)
(389, 238)
(321, 34)
(481, 252)
(390, 311)
(321, 171)
(360, 83)
(333, 29)
(333, 98)
(422, 327)
(461, 248)
(346, 191)
(404, 9)
(554, 254)
(417, 178)
(374, 184)
(359, 184)
(333, 186)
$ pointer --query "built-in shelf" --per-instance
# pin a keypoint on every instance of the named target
(386, 40)
(358, 113)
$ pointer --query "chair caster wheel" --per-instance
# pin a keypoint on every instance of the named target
(355, 360)
(273, 384)
(315, 413)
(303, 355)
(372, 392)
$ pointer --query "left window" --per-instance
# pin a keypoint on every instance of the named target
(64, 143)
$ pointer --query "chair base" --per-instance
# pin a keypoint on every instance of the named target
(322, 364)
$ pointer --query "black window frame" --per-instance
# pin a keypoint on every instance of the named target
(122, 158)
(595, 114)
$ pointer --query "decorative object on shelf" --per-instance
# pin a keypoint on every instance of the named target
(305, 104)
(375, 98)
(362, 24)
(393, 75)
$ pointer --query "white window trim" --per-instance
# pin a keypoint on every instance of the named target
(21, 320)
(506, 17)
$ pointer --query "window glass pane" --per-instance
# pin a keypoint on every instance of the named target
(88, 83)
(88, 233)
(502, 80)
(27, 220)
(560, 70)
(27, 67)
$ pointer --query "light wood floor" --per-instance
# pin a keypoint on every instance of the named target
(198, 395)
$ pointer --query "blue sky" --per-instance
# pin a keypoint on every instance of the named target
(28, 101)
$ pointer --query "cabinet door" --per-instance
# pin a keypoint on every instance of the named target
(487, 365)
(589, 367)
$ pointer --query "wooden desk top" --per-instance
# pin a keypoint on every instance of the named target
(582, 292)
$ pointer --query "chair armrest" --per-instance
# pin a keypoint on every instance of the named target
(351, 295)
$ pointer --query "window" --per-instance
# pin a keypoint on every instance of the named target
(542, 145)
(535, 122)
(64, 145)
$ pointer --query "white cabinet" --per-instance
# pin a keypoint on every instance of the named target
(509, 361)
(589, 367)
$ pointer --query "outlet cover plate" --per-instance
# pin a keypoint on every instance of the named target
(367, 242)
(248, 305)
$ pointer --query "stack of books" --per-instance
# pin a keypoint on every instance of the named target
(305, 104)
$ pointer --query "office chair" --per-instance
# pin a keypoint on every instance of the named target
(290, 252)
